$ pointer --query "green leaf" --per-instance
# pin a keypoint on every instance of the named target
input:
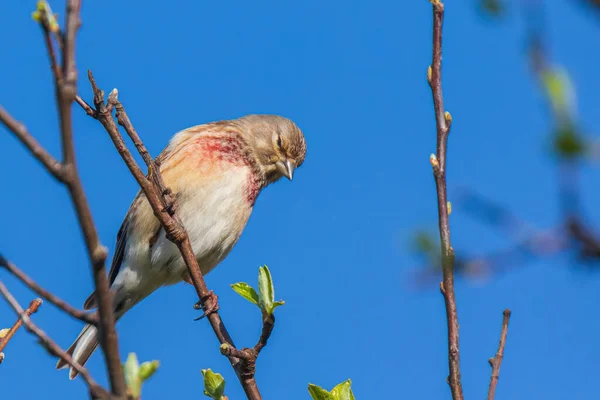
(318, 393)
(277, 304)
(266, 291)
(214, 384)
(424, 242)
(343, 391)
(131, 370)
(568, 143)
(148, 369)
(560, 91)
(246, 291)
(43, 13)
(492, 8)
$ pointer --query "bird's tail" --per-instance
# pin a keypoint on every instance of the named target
(81, 349)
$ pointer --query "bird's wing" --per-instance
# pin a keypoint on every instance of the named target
(140, 215)
(119, 252)
(116, 263)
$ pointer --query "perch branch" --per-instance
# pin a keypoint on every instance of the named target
(161, 200)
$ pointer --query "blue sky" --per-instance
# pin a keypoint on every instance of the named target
(337, 239)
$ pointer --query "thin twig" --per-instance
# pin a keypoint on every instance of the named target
(267, 329)
(96, 390)
(158, 197)
(58, 36)
(496, 361)
(63, 305)
(33, 307)
(167, 197)
(37, 150)
(438, 161)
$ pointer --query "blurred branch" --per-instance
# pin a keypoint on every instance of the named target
(63, 305)
(96, 390)
(438, 161)
(482, 266)
(33, 307)
(570, 146)
(593, 4)
(162, 201)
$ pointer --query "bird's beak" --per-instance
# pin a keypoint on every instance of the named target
(286, 167)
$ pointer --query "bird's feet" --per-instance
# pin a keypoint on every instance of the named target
(209, 304)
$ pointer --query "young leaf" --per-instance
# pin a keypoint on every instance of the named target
(277, 304)
(559, 90)
(147, 369)
(343, 391)
(43, 10)
(131, 370)
(214, 384)
(266, 291)
(246, 291)
(318, 393)
(569, 143)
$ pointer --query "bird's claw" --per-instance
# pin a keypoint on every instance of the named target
(209, 304)
(170, 201)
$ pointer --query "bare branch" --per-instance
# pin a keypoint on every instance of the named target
(267, 329)
(438, 162)
(162, 205)
(36, 149)
(63, 305)
(496, 361)
(33, 307)
(249, 356)
(96, 390)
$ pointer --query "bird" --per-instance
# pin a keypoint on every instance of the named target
(216, 171)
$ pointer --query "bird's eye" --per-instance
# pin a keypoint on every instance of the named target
(279, 142)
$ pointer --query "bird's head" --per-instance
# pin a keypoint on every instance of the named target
(276, 143)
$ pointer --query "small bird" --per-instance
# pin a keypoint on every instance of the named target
(217, 171)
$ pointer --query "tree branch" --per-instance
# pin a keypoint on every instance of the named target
(63, 305)
(438, 161)
(162, 205)
(96, 390)
(248, 356)
(267, 329)
(65, 80)
(20, 131)
(33, 307)
(496, 361)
